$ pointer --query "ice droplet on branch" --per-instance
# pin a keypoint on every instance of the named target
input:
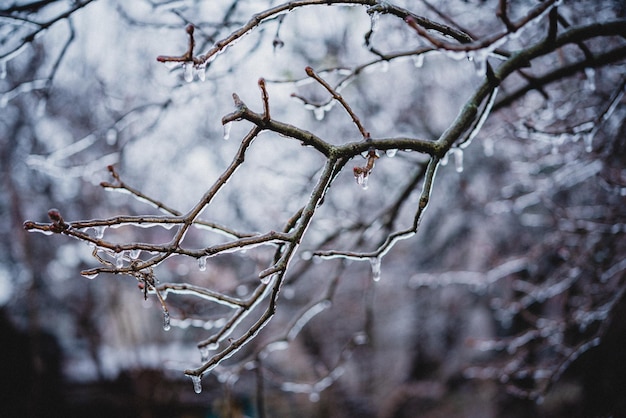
(202, 263)
(375, 262)
(166, 320)
(588, 139)
(458, 159)
(188, 71)
(90, 276)
(362, 180)
(391, 152)
(418, 60)
(201, 71)
(197, 383)
(119, 259)
(227, 127)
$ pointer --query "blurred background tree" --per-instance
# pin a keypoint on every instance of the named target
(314, 282)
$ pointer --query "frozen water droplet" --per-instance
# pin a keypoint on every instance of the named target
(99, 231)
(456, 55)
(188, 71)
(134, 253)
(458, 159)
(89, 276)
(119, 259)
(166, 320)
(590, 82)
(319, 113)
(391, 152)
(202, 263)
(375, 262)
(3, 69)
(362, 180)
(111, 136)
(588, 139)
(204, 353)
(197, 383)
(384, 66)
(418, 60)
(445, 158)
(227, 127)
(314, 397)
(201, 73)
(266, 279)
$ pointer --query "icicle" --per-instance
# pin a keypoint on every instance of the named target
(201, 71)
(445, 159)
(188, 71)
(202, 263)
(391, 152)
(375, 262)
(166, 320)
(590, 83)
(384, 66)
(458, 159)
(362, 180)
(134, 253)
(319, 113)
(227, 127)
(588, 139)
(418, 60)
(197, 383)
(119, 259)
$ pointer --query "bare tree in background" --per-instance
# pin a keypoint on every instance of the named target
(524, 98)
